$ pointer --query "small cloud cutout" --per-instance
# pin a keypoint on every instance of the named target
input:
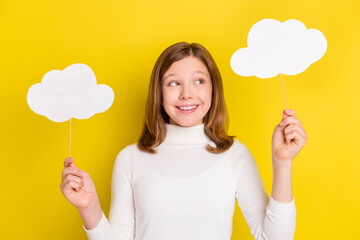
(70, 93)
(275, 47)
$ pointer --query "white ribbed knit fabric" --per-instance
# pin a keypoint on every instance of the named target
(186, 193)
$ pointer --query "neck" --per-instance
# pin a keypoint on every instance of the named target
(178, 135)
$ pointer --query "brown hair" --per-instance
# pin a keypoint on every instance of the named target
(215, 121)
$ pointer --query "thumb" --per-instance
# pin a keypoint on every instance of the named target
(281, 126)
(72, 164)
(69, 161)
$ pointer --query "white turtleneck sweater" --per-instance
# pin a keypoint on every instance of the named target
(183, 192)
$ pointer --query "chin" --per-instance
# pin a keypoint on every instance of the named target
(187, 123)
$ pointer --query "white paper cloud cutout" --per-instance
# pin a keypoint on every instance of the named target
(275, 47)
(71, 93)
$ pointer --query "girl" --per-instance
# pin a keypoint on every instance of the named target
(182, 178)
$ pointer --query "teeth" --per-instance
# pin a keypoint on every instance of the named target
(187, 108)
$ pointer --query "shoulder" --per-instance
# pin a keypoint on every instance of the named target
(241, 155)
(239, 148)
(125, 160)
(128, 149)
(125, 154)
(128, 155)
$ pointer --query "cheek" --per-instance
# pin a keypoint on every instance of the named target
(169, 98)
(165, 96)
(206, 96)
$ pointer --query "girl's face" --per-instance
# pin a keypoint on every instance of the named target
(186, 91)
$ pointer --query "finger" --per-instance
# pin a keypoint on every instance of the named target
(289, 112)
(296, 137)
(290, 120)
(72, 178)
(71, 170)
(290, 136)
(68, 161)
(68, 186)
(295, 127)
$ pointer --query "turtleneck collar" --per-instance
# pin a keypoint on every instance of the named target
(178, 135)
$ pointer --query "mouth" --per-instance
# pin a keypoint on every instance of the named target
(187, 108)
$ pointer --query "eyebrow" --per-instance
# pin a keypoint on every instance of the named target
(193, 74)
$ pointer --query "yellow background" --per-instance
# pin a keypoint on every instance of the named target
(120, 41)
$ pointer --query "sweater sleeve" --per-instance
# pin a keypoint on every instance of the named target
(267, 219)
(121, 223)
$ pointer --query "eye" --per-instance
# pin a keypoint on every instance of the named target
(170, 84)
(200, 80)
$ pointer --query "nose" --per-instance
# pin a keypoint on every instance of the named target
(186, 92)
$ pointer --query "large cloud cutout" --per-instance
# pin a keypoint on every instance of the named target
(71, 93)
(275, 47)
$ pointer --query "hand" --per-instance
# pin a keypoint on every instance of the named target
(77, 186)
(288, 138)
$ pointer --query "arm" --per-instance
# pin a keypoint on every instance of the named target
(288, 139)
(121, 224)
(92, 215)
(266, 217)
(79, 189)
(274, 218)
(282, 183)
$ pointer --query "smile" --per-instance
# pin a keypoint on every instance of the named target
(188, 109)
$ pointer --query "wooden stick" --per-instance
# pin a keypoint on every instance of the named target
(283, 91)
(70, 140)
